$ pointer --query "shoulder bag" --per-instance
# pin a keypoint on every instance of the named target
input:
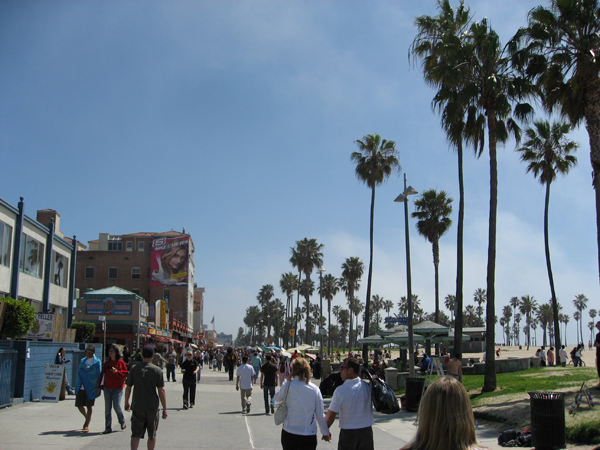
(282, 409)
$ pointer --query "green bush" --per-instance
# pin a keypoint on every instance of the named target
(19, 317)
(85, 331)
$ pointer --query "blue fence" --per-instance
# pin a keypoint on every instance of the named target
(8, 376)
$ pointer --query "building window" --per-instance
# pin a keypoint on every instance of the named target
(32, 256)
(129, 246)
(89, 273)
(115, 244)
(59, 269)
(136, 291)
(112, 273)
(136, 273)
(141, 247)
(5, 243)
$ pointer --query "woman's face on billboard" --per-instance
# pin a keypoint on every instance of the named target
(178, 259)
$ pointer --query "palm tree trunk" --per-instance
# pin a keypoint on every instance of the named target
(436, 264)
(329, 327)
(297, 307)
(350, 331)
(365, 351)
(458, 321)
(489, 381)
(549, 266)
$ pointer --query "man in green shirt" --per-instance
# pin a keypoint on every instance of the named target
(149, 388)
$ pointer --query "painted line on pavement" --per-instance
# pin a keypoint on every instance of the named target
(249, 432)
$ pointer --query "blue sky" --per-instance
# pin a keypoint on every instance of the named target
(236, 121)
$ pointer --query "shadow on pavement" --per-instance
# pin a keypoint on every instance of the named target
(69, 433)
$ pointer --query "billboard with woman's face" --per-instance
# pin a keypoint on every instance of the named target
(169, 261)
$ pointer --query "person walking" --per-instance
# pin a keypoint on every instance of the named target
(256, 362)
(284, 369)
(189, 369)
(148, 385)
(562, 355)
(230, 361)
(352, 400)
(304, 409)
(112, 380)
(445, 424)
(268, 383)
(61, 359)
(171, 357)
(86, 385)
(244, 382)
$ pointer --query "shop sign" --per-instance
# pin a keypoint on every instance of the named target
(42, 327)
(108, 306)
(52, 382)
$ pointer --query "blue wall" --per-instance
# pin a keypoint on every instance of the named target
(30, 370)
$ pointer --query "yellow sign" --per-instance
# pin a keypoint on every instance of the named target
(163, 314)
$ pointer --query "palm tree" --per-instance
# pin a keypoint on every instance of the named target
(440, 44)
(507, 313)
(307, 288)
(577, 317)
(306, 256)
(517, 326)
(432, 211)
(559, 50)
(288, 284)
(528, 307)
(564, 318)
(479, 297)
(545, 317)
(356, 308)
(344, 318)
(547, 152)
(593, 313)
(329, 288)
(515, 303)
(388, 305)
(450, 304)
(352, 271)
(264, 297)
(375, 161)
(336, 311)
(580, 303)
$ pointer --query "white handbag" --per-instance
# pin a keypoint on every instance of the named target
(281, 410)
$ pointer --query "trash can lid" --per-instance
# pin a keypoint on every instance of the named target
(543, 395)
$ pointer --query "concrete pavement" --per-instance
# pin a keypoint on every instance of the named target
(215, 422)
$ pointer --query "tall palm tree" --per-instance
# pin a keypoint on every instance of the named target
(577, 317)
(528, 306)
(329, 288)
(352, 272)
(431, 211)
(564, 318)
(593, 313)
(388, 305)
(507, 313)
(306, 256)
(515, 303)
(547, 152)
(517, 327)
(580, 302)
(307, 288)
(288, 284)
(336, 311)
(479, 297)
(440, 45)
(356, 307)
(450, 304)
(344, 318)
(375, 161)
(545, 317)
(559, 50)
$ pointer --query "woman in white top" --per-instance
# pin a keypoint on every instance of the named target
(304, 409)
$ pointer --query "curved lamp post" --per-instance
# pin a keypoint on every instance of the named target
(403, 198)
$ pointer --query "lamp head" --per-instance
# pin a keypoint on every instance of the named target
(401, 198)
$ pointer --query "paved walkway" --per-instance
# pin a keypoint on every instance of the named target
(215, 422)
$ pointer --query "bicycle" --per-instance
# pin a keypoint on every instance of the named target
(581, 362)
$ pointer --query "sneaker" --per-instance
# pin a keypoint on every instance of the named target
(185, 407)
(272, 409)
(248, 409)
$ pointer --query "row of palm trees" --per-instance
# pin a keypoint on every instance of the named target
(543, 316)
(483, 89)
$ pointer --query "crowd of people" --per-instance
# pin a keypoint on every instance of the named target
(284, 380)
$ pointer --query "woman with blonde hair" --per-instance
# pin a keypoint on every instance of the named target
(173, 265)
(304, 409)
(446, 419)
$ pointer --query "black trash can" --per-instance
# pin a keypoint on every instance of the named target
(414, 390)
(547, 420)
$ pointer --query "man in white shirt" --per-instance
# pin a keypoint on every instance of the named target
(562, 354)
(352, 400)
(245, 379)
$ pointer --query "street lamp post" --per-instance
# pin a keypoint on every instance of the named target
(403, 198)
(321, 271)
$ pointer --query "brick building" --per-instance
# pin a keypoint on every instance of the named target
(155, 266)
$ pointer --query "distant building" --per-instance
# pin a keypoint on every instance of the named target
(36, 259)
(198, 309)
(225, 340)
(154, 266)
